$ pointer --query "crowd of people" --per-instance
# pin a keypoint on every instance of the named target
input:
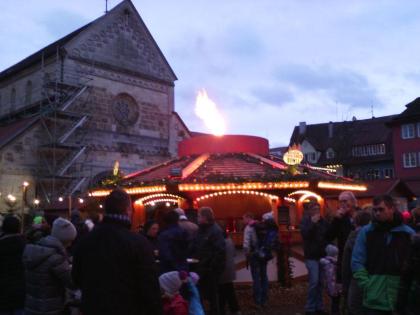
(173, 267)
(366, 260)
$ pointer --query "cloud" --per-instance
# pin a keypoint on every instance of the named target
(60, 22)
(341, 86)
(243, 42)
(273, 95)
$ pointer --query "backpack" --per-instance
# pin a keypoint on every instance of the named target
(267, 241)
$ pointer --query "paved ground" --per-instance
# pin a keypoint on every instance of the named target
(282, 301)
(243, 275)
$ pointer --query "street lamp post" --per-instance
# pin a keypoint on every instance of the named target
(24, 189)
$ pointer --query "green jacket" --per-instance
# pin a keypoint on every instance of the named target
(377, 261)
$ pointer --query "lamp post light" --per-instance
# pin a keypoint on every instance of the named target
(25, 186)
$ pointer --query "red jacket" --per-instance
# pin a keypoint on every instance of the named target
(175, 306)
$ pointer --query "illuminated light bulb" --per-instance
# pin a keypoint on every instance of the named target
(36, 201)
(167, 204)
(60, 199)
(81, 200)
(11, 197)
(101, 206)
(25, 184)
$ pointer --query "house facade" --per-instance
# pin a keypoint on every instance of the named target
(359, 149)
(406, 142)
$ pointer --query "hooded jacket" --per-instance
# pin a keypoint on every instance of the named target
(47, 275)
(12, 280)
(379, 254)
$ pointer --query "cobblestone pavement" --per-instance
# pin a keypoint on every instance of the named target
(282, 301)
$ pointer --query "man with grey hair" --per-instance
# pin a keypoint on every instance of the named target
(190, 227)
(341, 226)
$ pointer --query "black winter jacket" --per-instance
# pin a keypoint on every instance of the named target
(173, 249)
(47, 276)
(408, 301)
(12, 280)
(313, 235)
(116, 271)
(210, 249)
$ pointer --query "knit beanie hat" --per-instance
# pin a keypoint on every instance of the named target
(170, 282)
(63, 230)
(331, 250)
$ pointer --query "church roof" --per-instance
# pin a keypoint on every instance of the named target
(51, 49)
(47, 51)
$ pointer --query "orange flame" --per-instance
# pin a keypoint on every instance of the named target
(207, 110)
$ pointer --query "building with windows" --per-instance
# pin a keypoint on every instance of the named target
(406, 143)
(101, 94)
(360, 149)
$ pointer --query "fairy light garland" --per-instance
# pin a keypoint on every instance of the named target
(146, 198)
(236, 192)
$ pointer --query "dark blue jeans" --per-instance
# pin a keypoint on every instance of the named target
(314, 299)
(260, 280)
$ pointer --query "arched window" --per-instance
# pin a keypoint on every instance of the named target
(28, 92)
(13, 99)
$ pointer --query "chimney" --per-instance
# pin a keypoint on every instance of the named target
(330, 129)
(302, 128)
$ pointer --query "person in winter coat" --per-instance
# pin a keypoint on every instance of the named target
(379, 254)
(190, 227)
(150, 232)
(114, 267)
(342, 224)
(329, 273)
(351, 292)
(12, 280)
(209, 250)
(173, 245)
(173, 302)
(313, 229)
(226, 289)
(261, 253)
(47, 270)
(250, 236)
(415, 215)
(408, 300)
(39, 229)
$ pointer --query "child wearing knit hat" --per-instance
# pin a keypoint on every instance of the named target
(173, 302)
(329, 272)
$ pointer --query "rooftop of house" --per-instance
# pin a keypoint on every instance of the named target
(411, 113)
(343, 136)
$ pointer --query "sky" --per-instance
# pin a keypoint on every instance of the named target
(267, 64)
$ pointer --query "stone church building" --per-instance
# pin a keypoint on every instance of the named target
(101, 94)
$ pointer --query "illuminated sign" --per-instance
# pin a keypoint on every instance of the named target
(293, 156)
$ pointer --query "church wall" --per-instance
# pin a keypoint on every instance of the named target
(19, 82)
